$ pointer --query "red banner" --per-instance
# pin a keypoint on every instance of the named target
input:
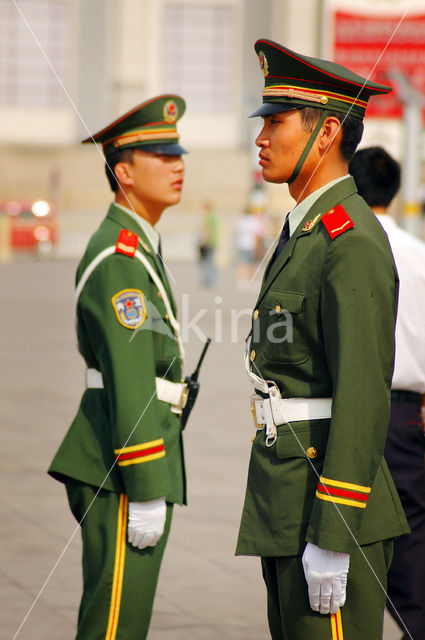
(363, 41)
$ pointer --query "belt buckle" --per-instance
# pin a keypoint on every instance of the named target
(254, 399)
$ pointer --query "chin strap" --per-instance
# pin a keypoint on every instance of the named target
(308, 147)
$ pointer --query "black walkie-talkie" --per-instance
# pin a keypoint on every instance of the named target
(193, 387)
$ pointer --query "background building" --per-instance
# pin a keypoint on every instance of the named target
(68, 67)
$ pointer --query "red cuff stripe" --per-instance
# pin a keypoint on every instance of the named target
(141, 453)
(333, 491)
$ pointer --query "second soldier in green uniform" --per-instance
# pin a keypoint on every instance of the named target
(122, 458)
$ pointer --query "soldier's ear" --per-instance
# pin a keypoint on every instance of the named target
(331, 132)
(124, 174)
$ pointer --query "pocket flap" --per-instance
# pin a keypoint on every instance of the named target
(285, 300)
(309, 442)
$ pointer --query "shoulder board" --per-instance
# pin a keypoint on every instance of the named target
(337, 221)
(127, 243)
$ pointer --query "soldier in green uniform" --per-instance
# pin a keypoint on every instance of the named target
(320, 508)
(122, 458)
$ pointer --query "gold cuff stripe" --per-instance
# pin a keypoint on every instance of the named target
(350, 503)
(114, 608)
(153, 456)
(139, 447)
(336, 625)
(345, 485)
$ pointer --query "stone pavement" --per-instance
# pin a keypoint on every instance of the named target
(205, 593)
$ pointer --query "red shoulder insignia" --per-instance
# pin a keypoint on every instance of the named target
(127, 243)
(337, 221)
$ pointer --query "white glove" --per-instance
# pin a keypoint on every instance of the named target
(326, 575)
(146, 521)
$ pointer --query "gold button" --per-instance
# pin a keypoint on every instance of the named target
(312, 452)
(252, 356)
(324, 99)
(159, 295)
(256, 314)
(167, 317)
(277, 308)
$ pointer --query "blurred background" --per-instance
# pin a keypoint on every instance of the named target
(68, 67)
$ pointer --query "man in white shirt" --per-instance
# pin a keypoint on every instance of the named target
(377, 176)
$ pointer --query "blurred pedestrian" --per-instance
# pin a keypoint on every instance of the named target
(122, 458)
(208, 246)
(248, 242)
(377, 177)
(320, 508)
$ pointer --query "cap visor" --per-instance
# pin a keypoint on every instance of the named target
(267, 108)
(164, 149)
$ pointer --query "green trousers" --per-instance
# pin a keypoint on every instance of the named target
(361, 618)
(119, 580)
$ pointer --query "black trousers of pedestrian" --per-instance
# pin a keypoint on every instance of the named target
(404, 452)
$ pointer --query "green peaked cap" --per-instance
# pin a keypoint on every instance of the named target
(293, 80)
(151, 125)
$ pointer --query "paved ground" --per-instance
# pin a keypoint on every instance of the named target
(205, 592)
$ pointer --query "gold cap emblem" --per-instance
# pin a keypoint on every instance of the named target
(263, 64)
(170, 111)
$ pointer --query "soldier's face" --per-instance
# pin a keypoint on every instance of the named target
(281, 141)
(157, 180)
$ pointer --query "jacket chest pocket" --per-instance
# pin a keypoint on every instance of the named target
(282, 331)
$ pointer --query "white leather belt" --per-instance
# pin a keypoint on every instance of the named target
(273, 411)
(175, 393)
(292, 409)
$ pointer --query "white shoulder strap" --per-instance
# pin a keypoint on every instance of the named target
(89, 270)
(155, 277)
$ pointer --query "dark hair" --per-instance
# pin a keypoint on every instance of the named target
(377, 176)
(352, 128)
(123, 155)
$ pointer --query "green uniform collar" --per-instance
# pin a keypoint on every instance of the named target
(324, 199)
(300, 210)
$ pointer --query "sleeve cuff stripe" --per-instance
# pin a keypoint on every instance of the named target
(350, 503)
(345, 485)
(343, 493)
(140, 454)
(139, 447)
(145, 458)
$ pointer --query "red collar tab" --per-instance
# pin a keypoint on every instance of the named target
(337, 221)
(127, 243)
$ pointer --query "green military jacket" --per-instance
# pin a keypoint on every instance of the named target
(325, 481)
(123, 438)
